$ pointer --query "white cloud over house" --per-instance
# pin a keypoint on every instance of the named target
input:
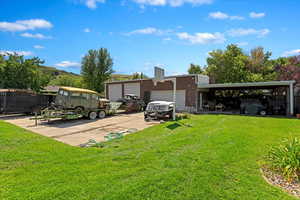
(202, 38)
(86, 30)
(221, 16)
(92, 4)
(150, 31)
(66, 64)
(292, 52)
(250, 31)
(20, 53)
(172, 3)
(23, 25)
(256, 15)
(36, 35)
(38, 47)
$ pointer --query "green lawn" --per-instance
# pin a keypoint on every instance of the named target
(217, 158)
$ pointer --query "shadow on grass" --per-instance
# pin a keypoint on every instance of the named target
(173, 126)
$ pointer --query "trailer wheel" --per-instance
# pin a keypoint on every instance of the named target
(102, 114)
(92, 115)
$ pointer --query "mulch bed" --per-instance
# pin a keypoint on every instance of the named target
(278, 180)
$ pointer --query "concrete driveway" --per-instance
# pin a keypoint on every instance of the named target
(76, 132)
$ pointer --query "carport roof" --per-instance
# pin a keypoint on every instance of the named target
(246, 85)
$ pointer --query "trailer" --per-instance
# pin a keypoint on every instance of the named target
(75, 103)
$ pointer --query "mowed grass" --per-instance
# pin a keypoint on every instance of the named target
(219, 157)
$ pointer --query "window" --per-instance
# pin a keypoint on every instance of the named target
(65, 93)
(75, 94)
(86, 96)
(94, 96)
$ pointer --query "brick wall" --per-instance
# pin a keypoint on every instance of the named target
(186, 83)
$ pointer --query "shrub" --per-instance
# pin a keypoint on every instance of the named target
(285, 158)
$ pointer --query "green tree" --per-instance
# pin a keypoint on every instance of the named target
(195, 69)
(67, 80)
(260, 65)
(20, 73)
(228, 66)
(138, 75)
(96, 69)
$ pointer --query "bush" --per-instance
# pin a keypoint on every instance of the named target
(286, 158)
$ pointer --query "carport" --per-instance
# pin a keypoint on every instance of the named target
(277, 93)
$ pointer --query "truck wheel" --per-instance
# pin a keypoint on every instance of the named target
(92, 115)
(79, 110)
(102, 114)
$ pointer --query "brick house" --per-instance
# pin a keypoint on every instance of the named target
(193, 92)
(186, 86)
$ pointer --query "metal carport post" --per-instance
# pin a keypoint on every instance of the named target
(291, 95)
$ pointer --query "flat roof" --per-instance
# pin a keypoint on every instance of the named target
(137, 80)
(248, 84)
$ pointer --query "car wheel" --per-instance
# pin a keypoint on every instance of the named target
(92, 115)
(263, 113)
(102, 114)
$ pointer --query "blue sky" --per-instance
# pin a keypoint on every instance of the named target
(143, 33)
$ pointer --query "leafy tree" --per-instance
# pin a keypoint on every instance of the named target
(228, 66)
(260, 65)
(96, 69)
(19, 73)
(195, 69)
(67, 80)
(289, 70)
(138, 75)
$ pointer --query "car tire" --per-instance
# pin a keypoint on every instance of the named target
(102, 114)
(263, 113)
(92, 115)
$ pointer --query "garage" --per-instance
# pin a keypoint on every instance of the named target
(114, 92)
(132, 88)
(167, 95)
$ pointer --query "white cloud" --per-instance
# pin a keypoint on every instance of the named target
(92, 4)
(86, 30)
(149, 31)
(249, 31)
(292, 52)
(38, 47)
(37, 35)
(167, 39)
(202, 38)
(20, 53)
(67, 64)
(23, 25)
(257, 15)
(221, 15)
(242, 43)
(173, 3)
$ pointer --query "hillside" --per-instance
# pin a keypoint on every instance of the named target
(54, 72)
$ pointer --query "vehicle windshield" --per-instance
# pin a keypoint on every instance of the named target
(157, 107)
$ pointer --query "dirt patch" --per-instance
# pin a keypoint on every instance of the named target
(278, 180)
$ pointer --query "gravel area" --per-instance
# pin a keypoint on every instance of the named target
(276, 179)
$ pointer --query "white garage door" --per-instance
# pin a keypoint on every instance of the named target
(167, 95)
(132, 88)
(114, 92)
